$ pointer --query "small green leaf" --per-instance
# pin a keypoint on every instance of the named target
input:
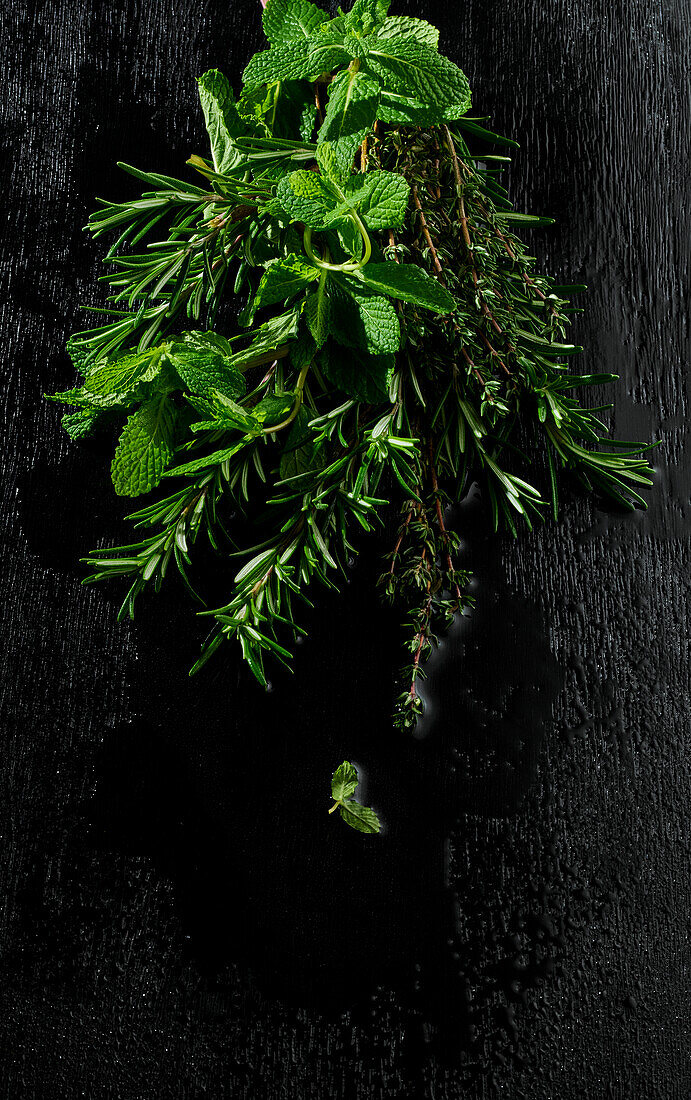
(305, 58)
(361, 319)
(343, 784)
(366, 16)
(144, 449)
(298, 453)
(307, 197)
(223, 122)
(344, 781)
(350, 114)
(291, 21)
(215, 459)
(122, 373)
(380, 197)
(318, 315)
(274, 408)
(409, 283)
(365, 377)
(410, 68)
(202, 369)
(330, 165)
(268, 338)
(403, 26)
(282, 280)
(83, 422)
(359, 817)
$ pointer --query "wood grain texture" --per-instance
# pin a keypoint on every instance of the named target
(180, 921)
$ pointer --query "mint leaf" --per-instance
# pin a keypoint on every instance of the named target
(121, 374)
(274, 408)
(409, 283)
(361, 319)
(223, 122)
(344, 781)
(307, 197)
(222, 412)
(303, 349)
(359, 817)
(308, 57)
(318, 315)
(366, 16)
(330, 164)
(291, 20)
(413, 69)
(83, 422)
(144, 449)
(362, 376)
(298, 453)
(403, 26)
(282, 280)
(78, 353)
(343, 784)
(381, 197)
(267, 339)
(215, 459)
(350, 113)
(202, 366)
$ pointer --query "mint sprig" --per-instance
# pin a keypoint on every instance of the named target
(344, 783)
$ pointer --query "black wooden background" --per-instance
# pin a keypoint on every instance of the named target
(179, 916)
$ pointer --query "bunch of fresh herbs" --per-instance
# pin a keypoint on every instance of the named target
(391, 339)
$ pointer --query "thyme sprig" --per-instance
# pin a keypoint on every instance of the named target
(393, 338)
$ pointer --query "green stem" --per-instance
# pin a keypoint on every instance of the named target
(334, 807)
(349, 265)
(299, 388)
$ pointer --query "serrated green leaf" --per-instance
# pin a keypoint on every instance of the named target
(409, 110)
(78, 353)
(359, 817)
(330, 164)
(299, 450)
(83, 422)
(306, 58)
(282, 280)
(222, 411)
(350, 114)
(303, 349)
(268, 338)
(223, 123)
(409, 283)
(361, 319)
(344, 781)
(274, 408)
(308, 120)
(202, 366)
(215, 459)
(144, 449)
(366, 16)
(291, 20)
(403, 26)
(362, 376)
(413, 69)
(83, 399)
(318, 316)
(307, 197)
(122, 373)
(380, 197)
